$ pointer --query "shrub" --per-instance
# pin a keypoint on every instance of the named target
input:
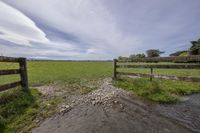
(154, 52)
(179, 53)
(123, 58)
(195, 48)
(134, 56)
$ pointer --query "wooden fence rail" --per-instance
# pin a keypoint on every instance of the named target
(186, 66)
(193, 58)
(22, 71)
(160, 66)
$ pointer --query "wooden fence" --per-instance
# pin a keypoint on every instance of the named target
(148, 64)
(22, 71)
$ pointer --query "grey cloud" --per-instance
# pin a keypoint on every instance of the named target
(105, 29)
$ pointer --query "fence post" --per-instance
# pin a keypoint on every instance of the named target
(151, 74)
(23, 73)
(114, 69)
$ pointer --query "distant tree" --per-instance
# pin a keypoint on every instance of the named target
(154, 52)
(195, 48)
(179, 53)
(141, 55)
(123, 58)
(184, 54)
(133, 56)
(120, 58)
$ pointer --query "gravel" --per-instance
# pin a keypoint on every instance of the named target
(109, 109)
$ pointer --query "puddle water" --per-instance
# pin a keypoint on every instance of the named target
(186, 113)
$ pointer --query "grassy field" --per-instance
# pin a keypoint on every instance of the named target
(158, 90)
(163, 91)
(18, 109)
(41, 73)
(167, 72)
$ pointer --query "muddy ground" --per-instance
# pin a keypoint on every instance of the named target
(113, 110)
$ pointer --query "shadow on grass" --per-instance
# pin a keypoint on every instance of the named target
(14, 104)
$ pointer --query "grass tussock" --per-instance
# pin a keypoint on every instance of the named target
(19, 109)
(162, 91)
(15, 107)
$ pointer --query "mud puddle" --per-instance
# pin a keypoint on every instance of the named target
(186, 113)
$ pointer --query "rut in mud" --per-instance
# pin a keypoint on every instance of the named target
(109, 109)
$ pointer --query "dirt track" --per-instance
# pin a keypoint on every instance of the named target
(112, 110)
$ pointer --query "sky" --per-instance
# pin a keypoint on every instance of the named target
(96, 29)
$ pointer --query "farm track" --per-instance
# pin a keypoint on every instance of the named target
(109, 109)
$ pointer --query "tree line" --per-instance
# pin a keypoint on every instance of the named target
(193, 50)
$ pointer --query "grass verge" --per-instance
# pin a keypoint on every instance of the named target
(19, 110)
(162, 91)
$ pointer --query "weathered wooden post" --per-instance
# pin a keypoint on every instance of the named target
(114, 69)
(23, 73)
(151, 74)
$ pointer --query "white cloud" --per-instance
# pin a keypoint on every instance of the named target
(104, 29)
(89, 20)
(17, 28)
(40, 57)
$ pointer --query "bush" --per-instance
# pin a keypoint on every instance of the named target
(154, 52)
(179, 53)
(123, 58)
(134, 56)
(195, 48)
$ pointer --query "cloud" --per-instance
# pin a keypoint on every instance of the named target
(89, 20)
(16, 27)
(96, 29)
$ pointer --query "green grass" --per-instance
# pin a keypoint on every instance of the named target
(67, 72)
(19, 109)
(41, 73)
(163, 91)
(15, 107)
(167, 72)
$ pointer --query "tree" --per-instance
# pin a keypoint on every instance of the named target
(140, 55)
(195, 48)
(179, 53)
(133, 56)
(121, 58)
(154, 52)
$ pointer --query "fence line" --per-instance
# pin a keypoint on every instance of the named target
(8, 72)
(193, 58)
(8, 59)
(22, 71)
(186, 66)
(190, 79)
(161, 66)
